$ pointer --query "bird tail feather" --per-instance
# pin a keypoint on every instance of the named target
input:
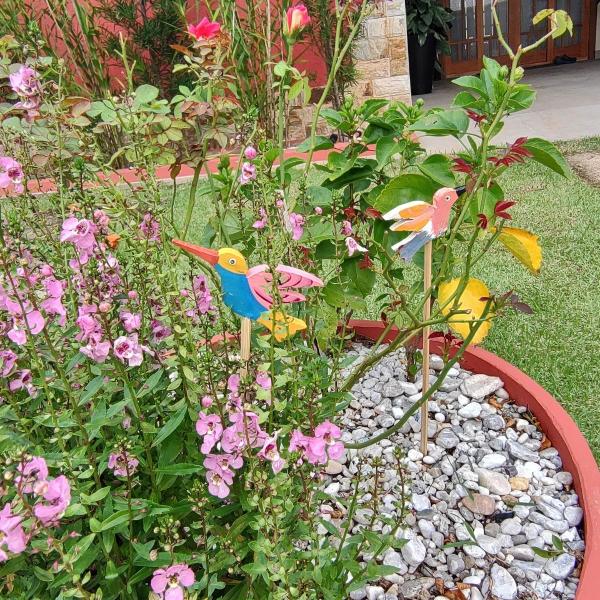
(281, 325)
(410, 245)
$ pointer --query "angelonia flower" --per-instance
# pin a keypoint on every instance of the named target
(296, 222)
(32, 472)
(26, 84)
(318, 210)
(206, 402)
(11, 174)
(262, 222)
(296, 19)
(170, 583)
(321, 447)
(12, 536)
(347, 228)
(353, 246)
(250, 152)
(202, 295)
(128, 349)
(122, 463)
(150, 228)
(57, 495)
(204, 30)
(131, 321)
(248, 173)
(263, 380)
(270, 452)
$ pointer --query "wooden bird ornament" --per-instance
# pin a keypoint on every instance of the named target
(248, 291)
(425, 221)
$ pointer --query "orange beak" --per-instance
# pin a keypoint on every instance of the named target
(206, 254)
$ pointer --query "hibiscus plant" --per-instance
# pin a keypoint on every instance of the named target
(142, 457)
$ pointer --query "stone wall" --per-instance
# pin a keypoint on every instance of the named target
(381, 59)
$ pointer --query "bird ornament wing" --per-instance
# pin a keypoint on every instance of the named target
(290, 280)
(412, 216)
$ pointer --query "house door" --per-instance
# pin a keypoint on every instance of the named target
(473, 33)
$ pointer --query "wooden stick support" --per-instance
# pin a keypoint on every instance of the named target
(245, 337)
(425, 363)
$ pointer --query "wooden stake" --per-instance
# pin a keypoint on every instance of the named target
(425, 363)
(245, 337)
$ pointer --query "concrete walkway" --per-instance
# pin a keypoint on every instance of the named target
(567, 105)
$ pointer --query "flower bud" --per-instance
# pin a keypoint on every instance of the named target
(297, 19)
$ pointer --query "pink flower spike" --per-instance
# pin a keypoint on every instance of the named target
(123, 464)
(58, 498)
(12, 536)
(263, 380)
(296, 222)
(353, 246)
(11, 174)
(169, 583)
(210, 428)
(262, 222)
(233, 384)
(250, 153)
(205, 29)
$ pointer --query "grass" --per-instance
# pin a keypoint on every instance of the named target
(558, 345)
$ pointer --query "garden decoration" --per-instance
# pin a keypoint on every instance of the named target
(249, 295)
(426, 222)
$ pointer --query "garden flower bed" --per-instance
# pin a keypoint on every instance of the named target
(140, 460)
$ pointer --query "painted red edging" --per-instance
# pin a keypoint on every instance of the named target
(557, 425)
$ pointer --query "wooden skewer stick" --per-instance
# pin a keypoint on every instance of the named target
(425, 363)
(245, 337)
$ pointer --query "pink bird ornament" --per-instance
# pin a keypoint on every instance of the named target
(425, 221)
(249, 291)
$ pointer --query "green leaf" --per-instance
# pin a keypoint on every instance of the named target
(180, 469)
(405, 188)
(170, 426)
(362, 279)
(150, 383)
(95, 497)
(541, 15)
(452, 122)
(439, 168)
(145, 93)
(280, 68)
(546, 154)
(319, 195)
(386, 147)
(115, 520)
(91, 389)
(320, 143)
(471, 82)
(341, 297)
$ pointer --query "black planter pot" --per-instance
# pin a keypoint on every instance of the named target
(421, 60)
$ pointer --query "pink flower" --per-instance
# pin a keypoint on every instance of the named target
(316, 453)
(11, 174)
(150, 228)
(250, 153)
(219, 482)
(169, 583)
(347, 228)
(159, 331)
(270, 452)
(205, 30)
(131, 321)
(80, 232)
(58, 498)
(297, 19)
(31, 472)
(25, 82)
(263, 380)
(248, 429)
(248, 173)
(96, 350)
(330, 433)
(318, 210)
(223, 462)
(296, 222)
(53, 303)
(123, 464)
(23, 381)
(12, 536)
(202, 295)
(210, 428)
(8, 359)
(262, 222)
(206, 402)
(353, 246)
(127, 349)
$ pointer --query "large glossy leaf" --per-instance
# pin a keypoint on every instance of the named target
(362, 279)
(447, 122)
(524, 246)
(320, 142)
(546, 154)
(439, 168)
(406, 188)
(472, 300)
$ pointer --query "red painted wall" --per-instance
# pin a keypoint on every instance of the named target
(307, 57)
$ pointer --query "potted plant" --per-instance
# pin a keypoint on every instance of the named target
(427, 23)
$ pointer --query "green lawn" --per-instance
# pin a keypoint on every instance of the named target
(558, 345)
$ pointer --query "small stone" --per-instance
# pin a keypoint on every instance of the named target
(480, 504)
(414, 455)
(333, 488)
(359, 594)
(333, 467)
(494, 481)
(470, 411)
(547, 523)
(521, 452)
(416, 588)
(492, 461)
(511, 526)
(455, 564)
(489, 544)
(503, 587)
(374, 592)
(494, 422)
(479, 386)
(447, 439)
(573, 515)
(561, 566)
(523, 552)
(393, 559)
(564, 477)
(519, 483)
(414, 552)
(421, 502)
